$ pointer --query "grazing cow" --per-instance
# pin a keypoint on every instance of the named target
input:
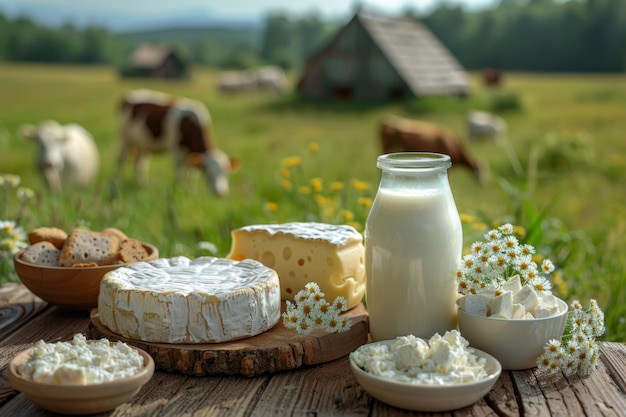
(404, 135)
(153, 122)
(492, 77)
(483, 125)
(264, 78)
(67, 153)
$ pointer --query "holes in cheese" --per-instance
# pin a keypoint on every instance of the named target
(302, 252)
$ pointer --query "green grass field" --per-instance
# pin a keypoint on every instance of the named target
(560, 174)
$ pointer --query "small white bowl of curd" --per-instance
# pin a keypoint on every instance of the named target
(436, 375)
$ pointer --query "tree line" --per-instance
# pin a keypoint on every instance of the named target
(525, 35)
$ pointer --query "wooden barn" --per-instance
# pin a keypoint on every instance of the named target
(156, 61)
(376, 57)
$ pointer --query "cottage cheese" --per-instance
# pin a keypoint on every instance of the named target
(80, 363)
(442, 360)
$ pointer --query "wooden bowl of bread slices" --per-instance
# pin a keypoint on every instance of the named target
(65, 269)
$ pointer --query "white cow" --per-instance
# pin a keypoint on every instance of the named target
(270, 77)
(67, 153)
(484, 125)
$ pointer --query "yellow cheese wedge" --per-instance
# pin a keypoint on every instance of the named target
(302, 252)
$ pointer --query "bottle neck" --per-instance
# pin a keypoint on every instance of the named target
(414, 170)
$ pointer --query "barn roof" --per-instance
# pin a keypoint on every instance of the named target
(425, 64)
(411, 50)
(150, 55)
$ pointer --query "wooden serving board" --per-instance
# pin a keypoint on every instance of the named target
(278, 349)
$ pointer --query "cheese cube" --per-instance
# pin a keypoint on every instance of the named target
(333, 256)
(541, 311)
(502, 305)
(475, 304)
(546, 300)
(513, 284)
(518, 312)
(527, 297)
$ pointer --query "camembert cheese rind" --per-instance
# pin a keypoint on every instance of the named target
(302, 252)
(178, 300)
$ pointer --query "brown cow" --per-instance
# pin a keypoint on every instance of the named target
(153, 122)
(405, 135)
(492, 77)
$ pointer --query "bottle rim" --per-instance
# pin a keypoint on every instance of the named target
(423, 161)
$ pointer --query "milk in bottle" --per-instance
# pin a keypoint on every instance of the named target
(413, 244)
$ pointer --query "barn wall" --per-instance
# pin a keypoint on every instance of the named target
(353, 67)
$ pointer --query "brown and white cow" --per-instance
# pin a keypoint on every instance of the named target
(406, 135)
(154, 122)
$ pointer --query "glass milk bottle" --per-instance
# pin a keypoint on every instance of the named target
(413, 244)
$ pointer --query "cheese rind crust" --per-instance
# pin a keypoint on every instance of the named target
(302, 252)
(178, 300)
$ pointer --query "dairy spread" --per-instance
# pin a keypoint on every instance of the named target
(79, 362)
(179, 300)
(301, 252)
(446, 359)
(511, 301)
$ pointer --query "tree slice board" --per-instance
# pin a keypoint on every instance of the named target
(278, 349)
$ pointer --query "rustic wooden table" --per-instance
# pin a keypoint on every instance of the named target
(321, 390)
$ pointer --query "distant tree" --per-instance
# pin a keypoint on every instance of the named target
(310, 33)
(95, 46)
(278, 46)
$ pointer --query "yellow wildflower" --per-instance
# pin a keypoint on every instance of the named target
(360, 185)
(284, 173)
(286, 185)
(271, 206)
(321, 200)
(314, 147)
(365, 201)
(305, 190)
(479, 226)
(346, 215)
(316, 184)
(336, 186)
(467, 218)
(291, 161)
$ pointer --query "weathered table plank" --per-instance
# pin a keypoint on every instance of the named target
(327, 389)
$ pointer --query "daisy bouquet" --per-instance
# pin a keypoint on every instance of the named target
(500, 256)
(310, 310)
(492, 262)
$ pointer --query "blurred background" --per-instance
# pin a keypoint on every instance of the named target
(523, 35)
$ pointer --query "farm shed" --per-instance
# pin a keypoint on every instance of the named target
(376, 57)
(156, 61)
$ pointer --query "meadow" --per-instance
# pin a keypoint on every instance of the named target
(559, 174)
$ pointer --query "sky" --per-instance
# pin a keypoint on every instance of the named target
(240, 8)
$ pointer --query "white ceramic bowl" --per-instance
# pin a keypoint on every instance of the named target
(80, 399)
(515, 343)
(427, 397)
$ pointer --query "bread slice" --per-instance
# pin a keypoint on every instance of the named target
(86, 246)
(121, 236)
(42, 253)
(131, 250)
(51, 234)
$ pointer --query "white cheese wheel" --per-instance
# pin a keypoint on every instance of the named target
(178, 300)
(302, 252)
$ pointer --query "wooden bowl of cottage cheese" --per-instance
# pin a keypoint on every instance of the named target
(81, 376)
(436, 375)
